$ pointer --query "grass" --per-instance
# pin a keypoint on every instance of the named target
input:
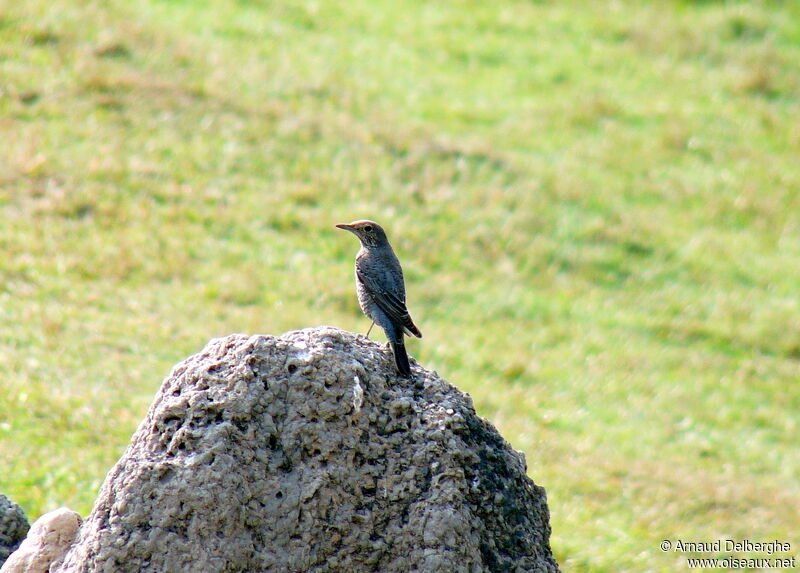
(596, 207)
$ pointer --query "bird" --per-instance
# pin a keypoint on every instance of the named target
(381, 290)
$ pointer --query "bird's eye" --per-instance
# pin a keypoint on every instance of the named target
(367, 228)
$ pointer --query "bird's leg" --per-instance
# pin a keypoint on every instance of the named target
(370, 328)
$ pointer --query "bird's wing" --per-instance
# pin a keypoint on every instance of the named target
(388, 302)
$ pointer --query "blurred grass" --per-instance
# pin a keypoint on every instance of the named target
(596, 206)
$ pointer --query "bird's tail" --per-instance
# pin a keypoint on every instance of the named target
(401, 359)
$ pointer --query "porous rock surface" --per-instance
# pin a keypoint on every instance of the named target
(306, 452)
(46, 544)
(13, 527)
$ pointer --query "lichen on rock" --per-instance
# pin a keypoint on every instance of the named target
(13, 527)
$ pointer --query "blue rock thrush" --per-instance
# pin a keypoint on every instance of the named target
(381, 289)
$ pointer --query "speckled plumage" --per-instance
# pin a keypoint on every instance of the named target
(381, 289)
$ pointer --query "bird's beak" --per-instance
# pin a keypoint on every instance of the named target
(346, 227)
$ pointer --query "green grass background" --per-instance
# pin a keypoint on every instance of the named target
(597, 206)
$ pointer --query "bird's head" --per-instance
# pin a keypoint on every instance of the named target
(368, 232)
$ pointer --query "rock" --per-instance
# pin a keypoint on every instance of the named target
(308, 453)
(47, 543)
(13, 527)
